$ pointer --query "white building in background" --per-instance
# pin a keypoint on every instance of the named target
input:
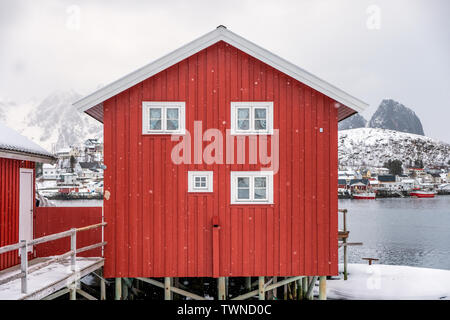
(50, 171)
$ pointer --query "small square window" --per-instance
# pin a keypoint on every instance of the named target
(200, 181)
(251, 118)
(163, 117)
(251, 187)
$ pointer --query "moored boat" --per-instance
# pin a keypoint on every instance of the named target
(364, 196)
(422, 194)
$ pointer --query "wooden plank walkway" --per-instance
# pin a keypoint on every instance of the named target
(47, 280)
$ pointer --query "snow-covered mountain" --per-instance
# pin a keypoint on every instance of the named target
(395, 116)
(53, 123)
(374, 147)
(352, 122)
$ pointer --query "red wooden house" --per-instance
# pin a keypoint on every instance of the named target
(175, 208)
(18, 156)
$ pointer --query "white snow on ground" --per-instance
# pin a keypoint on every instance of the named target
(42, 278)
(388, 282)
(12, 140)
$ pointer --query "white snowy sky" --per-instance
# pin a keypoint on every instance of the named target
(43, 49)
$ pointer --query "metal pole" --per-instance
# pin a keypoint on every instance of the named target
(221, 288)
(73, 248)
(261, 288)
(118, 289)
(323, 288)
(167, 287)
(24, 265)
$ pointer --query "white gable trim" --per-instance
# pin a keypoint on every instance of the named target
(219, 34)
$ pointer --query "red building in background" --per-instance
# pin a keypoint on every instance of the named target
(18, 156)
(221, 210)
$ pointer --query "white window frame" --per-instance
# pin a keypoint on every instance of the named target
(234, 175)
(268, 105)
(147, 105)
(209, 181)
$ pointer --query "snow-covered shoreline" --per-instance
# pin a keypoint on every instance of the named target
(390, 282)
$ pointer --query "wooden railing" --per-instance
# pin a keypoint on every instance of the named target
(23, 245)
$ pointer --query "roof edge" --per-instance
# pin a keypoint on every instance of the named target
(16, 155)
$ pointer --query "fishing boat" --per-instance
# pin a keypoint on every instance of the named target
(364, 196)
(422, 194)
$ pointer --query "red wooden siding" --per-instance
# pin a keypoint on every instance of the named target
(9, 207)
(156, 228)
(51, 220)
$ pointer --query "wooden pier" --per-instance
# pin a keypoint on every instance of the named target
(50, 277)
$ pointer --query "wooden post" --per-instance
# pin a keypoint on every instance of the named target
(102, 286)
(261, 288)
(248, 283)
(125, 289)
(221, 288)
(304, 287)
(285, 296)
(344, 240)
(299, 290)
(73, 291)
(118, 288)
(24, 265)
(73, 248)
(323, 288)
(274, 291)
(167, 287)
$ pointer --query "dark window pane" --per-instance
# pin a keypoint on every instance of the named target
(243, 194)
(243, 182)
(155, 124)
(155, 113)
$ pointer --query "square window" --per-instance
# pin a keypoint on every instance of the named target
(251, 118)
(163, 117)
(200, 181)
(251, 187)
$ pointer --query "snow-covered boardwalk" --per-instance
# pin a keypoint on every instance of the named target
(388, 282)
(47, 280)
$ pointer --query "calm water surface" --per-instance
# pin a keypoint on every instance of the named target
(407, 231)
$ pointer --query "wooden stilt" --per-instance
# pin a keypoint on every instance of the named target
(261, 288)
(221, 288)
(304, 287)
(125, 289)
(248, 283)
(73, 292)
(299, 290)
(118, 283)
(274, 291)
(323, 288)
(167, 287)
(102, 286)
(285, 296)
(226, 286)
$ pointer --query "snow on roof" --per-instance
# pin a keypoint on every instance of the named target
(91, 103)
(13, 142)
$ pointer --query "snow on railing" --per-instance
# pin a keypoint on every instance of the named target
(23, 245)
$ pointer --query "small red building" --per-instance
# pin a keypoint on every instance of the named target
(18, 156)
(188, 190)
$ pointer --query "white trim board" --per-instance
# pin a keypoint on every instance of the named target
(219, 34)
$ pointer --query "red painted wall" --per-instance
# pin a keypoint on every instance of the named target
(9, 207)
(156, 228)
(51, 220)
